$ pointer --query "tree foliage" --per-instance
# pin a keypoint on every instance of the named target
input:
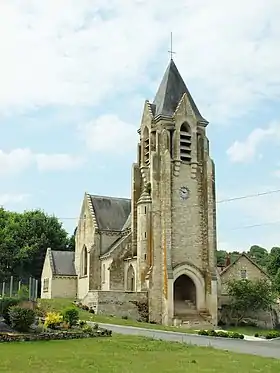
(24, 239)
(252, 296)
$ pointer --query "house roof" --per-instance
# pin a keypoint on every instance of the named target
(111, 213)
(170, 92)
(237, 259)
(63, 263)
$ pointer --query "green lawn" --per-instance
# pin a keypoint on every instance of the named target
(125, 354)
(58, 305)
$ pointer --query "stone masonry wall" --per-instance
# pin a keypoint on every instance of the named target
(234, 273)
(117, 303)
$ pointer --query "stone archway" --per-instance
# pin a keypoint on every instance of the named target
(130, 279)
(188, 289)
(184, 295)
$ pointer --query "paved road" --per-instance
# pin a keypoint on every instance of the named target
(261, 348)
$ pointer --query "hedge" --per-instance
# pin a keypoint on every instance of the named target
(222, 334)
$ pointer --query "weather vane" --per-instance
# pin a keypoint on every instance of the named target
(171, 48)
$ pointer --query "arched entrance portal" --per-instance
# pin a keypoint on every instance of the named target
(184, 295)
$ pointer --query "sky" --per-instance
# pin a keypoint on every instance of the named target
(74, 77)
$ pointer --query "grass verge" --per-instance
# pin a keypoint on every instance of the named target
(126, 354)
(57, 305)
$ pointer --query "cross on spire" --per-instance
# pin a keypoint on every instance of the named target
(171, 47)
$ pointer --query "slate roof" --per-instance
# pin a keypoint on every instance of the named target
(127, 224)
(111, 213)
(170, 92)
(63, 263)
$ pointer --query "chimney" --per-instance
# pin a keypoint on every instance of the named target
(228, 260)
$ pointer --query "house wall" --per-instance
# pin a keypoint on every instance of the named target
(234, 273)
(117, 303)
(46, 274)
(85, 236)
(64, 287)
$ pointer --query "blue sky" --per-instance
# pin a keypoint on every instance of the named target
(74, 77)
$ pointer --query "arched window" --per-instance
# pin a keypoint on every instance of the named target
(185, 143)
(130, 281)
(146, 146)
(84, 262)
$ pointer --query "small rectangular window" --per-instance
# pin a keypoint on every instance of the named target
(145, 256)
(243, 274)
(145, 210)
(46, 285)
(145, 234)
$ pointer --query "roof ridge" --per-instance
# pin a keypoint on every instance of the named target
(112, 197)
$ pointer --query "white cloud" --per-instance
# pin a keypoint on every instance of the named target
(56, 162)
(247, 150)
(8, 198)
(69, 52)
(15, 161)
(18, 160)
(109, 133)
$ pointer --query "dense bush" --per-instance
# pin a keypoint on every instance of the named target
(71, 316)
(53, 320)
(5, 304)
(21, 318)
(272, 334)
(223, 334)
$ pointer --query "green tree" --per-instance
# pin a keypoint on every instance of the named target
(252, 296)
(276, 282)
(24, 239)
(259, 254)
(274, 261)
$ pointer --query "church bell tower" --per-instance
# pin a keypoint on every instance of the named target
(173, 203)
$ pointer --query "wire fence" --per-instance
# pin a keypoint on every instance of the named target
(16, 286)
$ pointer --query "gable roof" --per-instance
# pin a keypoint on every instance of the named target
(111, 213)
(170, 92)
(249, 259)
(62, 263)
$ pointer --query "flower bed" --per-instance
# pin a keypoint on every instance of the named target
(48, 336)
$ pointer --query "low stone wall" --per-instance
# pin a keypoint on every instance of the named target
(263, 319)
(13, 337)
(119, 303)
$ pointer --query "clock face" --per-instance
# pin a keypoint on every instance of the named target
(184, 192)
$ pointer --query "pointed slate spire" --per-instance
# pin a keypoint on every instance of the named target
(170, 92)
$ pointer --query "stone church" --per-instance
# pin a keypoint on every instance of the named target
(159, 247)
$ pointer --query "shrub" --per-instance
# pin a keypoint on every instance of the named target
(125, 317)
(23, 292)
(222, 334)
(236, 335)
(87, 329)
(5, 304)
(82, 323)
(71, 316)
(212, 333)
(53, 320)
(203, 332)
(256, 335)
(95, 326)
(91, 310)
(21, 318)
(273, 334)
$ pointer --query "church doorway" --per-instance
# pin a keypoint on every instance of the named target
(130, 280)
(184, 295)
